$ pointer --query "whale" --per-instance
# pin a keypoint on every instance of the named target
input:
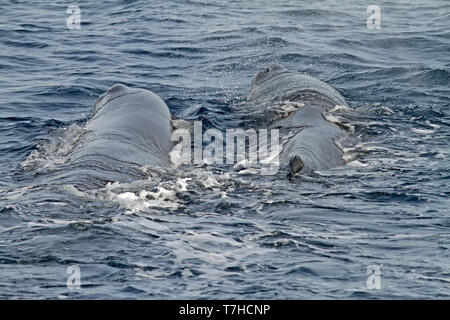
(313, 147)
(130, 128)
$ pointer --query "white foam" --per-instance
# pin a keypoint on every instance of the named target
(339, 121)
(182, 183)
(434, 126)
(249, 171)
(338, 108)
(158, 193)
(422, 131)
(49, 154)
(161, 198)
(162, 195)
(357, 163)
(286, 108)
(176, 155)
(209, 182)
(290, 106)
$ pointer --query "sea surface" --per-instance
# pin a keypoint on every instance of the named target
(377, 228)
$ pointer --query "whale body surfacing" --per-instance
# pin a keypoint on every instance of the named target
(129, 128)
(313, 147)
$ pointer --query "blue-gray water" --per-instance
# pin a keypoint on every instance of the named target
(203, 234)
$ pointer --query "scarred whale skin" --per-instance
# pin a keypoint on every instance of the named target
(313, 147)
(129, 128)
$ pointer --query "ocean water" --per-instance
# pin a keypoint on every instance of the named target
(206, 233)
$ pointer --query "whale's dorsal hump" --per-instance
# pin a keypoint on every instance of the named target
(114, 92)
(267, 73)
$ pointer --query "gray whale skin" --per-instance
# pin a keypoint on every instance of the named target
(314, 147)
(129, 128)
